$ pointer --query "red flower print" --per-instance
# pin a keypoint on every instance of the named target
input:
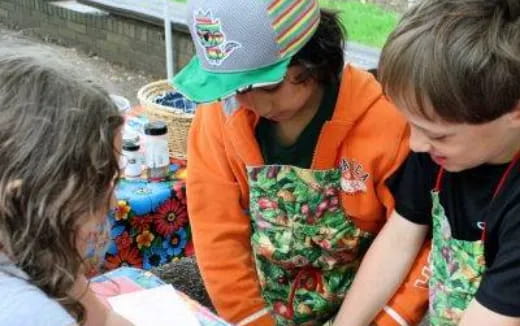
(144, 239)
(123, 241)
(141, 223)
(126, 257)
(189, 250)
(180, 192)
(170, 217)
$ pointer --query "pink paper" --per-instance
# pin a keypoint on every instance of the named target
(112, 287)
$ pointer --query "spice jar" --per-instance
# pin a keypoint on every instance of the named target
(132, 159)
(156, 150)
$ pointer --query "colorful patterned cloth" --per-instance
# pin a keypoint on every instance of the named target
(457, 268)
(127, 279)
(307, 250)
(150, 225)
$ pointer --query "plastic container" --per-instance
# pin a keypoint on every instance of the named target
(156, 150)
(122, 103)
(178, 121)
(132, 159)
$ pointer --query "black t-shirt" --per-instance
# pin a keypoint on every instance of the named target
(467, 199)
(300, 153)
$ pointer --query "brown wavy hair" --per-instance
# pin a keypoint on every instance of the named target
(459, 57)
(57, 166)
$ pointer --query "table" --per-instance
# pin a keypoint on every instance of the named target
(150, 225)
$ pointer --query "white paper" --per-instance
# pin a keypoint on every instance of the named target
(160, 306)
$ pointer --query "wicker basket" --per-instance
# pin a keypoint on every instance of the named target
(178, 121)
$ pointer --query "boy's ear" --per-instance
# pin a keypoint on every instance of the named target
(515, 115)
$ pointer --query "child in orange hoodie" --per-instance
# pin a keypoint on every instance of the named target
(287, 166)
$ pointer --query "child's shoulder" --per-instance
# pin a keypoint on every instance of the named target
(23, 304)
(363, 101)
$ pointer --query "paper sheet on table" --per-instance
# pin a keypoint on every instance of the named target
(160, 306)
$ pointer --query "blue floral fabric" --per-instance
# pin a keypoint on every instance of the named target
(150, 224)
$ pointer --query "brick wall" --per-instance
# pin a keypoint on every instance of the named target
(125, 41)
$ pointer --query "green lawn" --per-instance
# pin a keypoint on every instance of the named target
(365, 23)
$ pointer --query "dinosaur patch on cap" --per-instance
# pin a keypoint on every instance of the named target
(212, 38)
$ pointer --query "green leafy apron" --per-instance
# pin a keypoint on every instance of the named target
(307, 250)
(457, 265)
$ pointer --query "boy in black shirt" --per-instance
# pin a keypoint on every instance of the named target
(453, 68)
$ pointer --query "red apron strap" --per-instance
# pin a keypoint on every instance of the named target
(506, 174)
(499, 187)
(438, 182)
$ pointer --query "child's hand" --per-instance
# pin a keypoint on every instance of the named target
(395, 247)
(115, 319)
(97, 313)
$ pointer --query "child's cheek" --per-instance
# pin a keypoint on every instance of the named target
(93, 241)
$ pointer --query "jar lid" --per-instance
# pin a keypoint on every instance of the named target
(130, 146)
(131, 137)
(155, 128)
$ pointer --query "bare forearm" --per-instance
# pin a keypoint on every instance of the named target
(382, 271)
(97, 313)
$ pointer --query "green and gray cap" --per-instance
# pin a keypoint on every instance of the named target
(243, 44)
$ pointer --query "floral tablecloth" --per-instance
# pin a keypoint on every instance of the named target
(150, 224)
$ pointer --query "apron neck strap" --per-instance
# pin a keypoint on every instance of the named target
(438, 182)
(498, 188)
(506, 174)
(500, 185)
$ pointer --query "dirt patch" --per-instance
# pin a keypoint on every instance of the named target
(184, 275)
(114, 78)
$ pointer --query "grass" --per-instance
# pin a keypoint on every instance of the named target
(365, 23)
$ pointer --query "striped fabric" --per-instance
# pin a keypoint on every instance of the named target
(294, 22)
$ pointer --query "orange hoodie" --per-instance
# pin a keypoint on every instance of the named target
(365, 128)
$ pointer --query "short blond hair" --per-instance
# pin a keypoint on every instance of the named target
(457, 59)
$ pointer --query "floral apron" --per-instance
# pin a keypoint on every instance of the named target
(457, 265)
(307, 250)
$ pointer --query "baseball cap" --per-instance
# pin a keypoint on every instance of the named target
(243, 44)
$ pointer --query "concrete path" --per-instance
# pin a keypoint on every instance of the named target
(361, 55)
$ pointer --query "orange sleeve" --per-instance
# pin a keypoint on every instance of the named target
(221, 230)
(409, 303)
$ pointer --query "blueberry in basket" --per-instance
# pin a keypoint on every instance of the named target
(175, 100)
